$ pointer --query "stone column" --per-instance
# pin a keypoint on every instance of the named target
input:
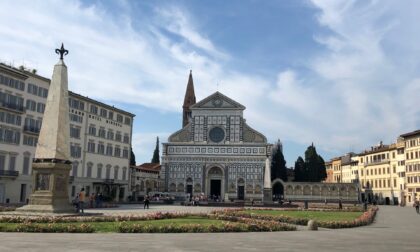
(268, 192)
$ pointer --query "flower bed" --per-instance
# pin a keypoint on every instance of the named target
(365, 219)
(132, 224)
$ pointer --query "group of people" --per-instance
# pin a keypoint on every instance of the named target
(94, 200)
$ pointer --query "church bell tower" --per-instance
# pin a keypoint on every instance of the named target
(189, 100)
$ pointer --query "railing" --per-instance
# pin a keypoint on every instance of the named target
(8, 173)
(109, 181)
(12, 106)
(31, 129)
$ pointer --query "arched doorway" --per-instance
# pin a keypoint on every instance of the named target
(215, 183)
(190, 187)
(241, 189)
(278, 189)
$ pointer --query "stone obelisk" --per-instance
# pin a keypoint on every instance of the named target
(268, 192)
(51, 166)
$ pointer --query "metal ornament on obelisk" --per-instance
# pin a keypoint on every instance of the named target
(51, 165)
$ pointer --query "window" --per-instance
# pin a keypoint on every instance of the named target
(93, 109)
(118, 136)
(91, 147)
(9, 136)
(74, 170)
(76, 118)
(75, 150)
(76, 104)
(126, 138)
(29, 140)
(111, 115)
(99, 174)
(109, 150)
(102, 132)
(127, 120)
(74, 132)
(10, 118)
(101, 148)
(116, 170)
(104, 112)
(125, 153)
(124, 175)
(119, 118)
(11, 101)
(12, 163)
(30, 105)
(89, 170)
(92, 130)
(40, 107)
(110, 135)
(2, 161)
(26, 163)
(13, 83)
(108, 172)
(117, 151)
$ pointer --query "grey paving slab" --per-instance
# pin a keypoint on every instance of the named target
(395, 229)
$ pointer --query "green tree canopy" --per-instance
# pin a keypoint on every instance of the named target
(312, 169)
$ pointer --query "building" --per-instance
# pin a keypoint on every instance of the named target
(145, 179)
(100, 139)
(330, 172)
(378, 173)
(349, 168)
(336, 167)
(412, 165)
(216, 153)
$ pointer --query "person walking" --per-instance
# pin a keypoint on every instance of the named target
(82, 200)
(340, 204)
(417, 206)
(146, 202)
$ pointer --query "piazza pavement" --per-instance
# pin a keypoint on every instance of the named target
(395, 229)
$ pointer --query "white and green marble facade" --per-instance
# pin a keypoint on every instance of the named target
(216, 144)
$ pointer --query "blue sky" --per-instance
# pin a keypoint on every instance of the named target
(342, 74)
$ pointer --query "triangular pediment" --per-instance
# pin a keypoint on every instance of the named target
(217, 101)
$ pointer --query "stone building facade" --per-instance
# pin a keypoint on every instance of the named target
(145, 180)
(100, 139)
(217, 153)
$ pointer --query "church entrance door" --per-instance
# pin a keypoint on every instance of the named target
(215, 187)
(189, 190)
(241, 192)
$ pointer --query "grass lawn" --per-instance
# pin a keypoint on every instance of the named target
(113, 226)
(315, 215)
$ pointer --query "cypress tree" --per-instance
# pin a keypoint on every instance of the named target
(278, 164)
(300, 170)
(156, 159)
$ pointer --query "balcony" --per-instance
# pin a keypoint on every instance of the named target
(31, 129)
(9, 174)
(12, 106)
(377, 162)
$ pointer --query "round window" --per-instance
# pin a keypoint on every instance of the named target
(217, 134)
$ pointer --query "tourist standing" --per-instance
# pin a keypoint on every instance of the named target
(146, 202)
(91, 200)
(82, 200)
(340, 205)
(417, 206)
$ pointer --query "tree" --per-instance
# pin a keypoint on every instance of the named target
(312, 169)
(132, 157)
(278, 164)
(155, 158)
(300, 169)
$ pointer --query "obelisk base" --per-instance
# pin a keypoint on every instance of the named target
(50, 193)
(268, 196)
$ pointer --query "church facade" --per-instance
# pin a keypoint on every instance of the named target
(216, 153)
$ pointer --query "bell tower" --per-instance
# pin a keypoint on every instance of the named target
(189, 100)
